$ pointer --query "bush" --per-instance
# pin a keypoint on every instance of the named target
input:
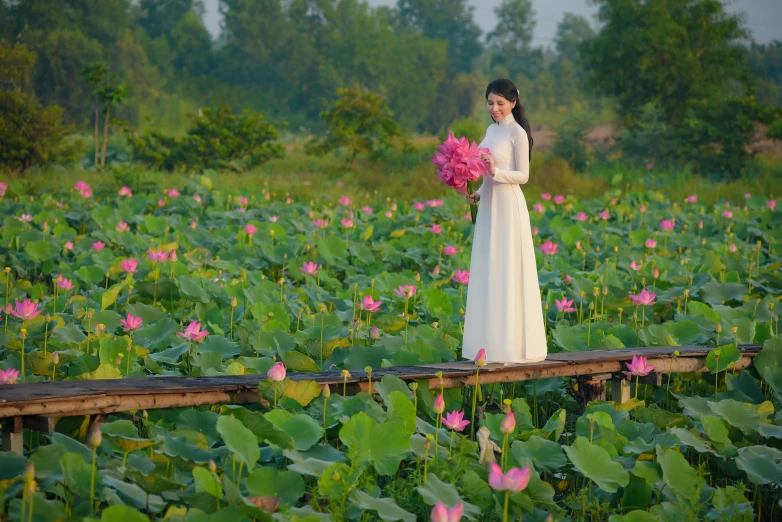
(571, 145)
(774, 132)
(30, 134)
(468, 127)
(217, 139)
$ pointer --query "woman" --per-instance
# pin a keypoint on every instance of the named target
(504, 313)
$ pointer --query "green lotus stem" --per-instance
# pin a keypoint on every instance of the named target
(7, 285)
(24, 336)
(325, 405)
(154, 287)
(231, 325)
(475, 391)
(636, 385)
(92, 478)
(406, 319)
(130, 348)
(535, 401)
(321, 339)
(426, 460)
(450, 445)
(437, 434)
(46, 338)
(505, 508)
(24, 499)
(275, 394)
(505, 453)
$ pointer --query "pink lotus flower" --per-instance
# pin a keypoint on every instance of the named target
(309, 268)
(650, 166)
(273, 219)
(651, 243)
(513, 481)
(68, 245)
(374, 333)
(161, 202)
(700, 224)
(435, 203)
(267, 195)
(613, 202)
(508, 424)
(393, 206)
(366, 210)
(468, 216)
(605, 215)
(173, 193)
(418, 206)
(667, 224)
(173, 256)
(642, 209)
(370, 304)
(131, 323)
(545, 196)
(193, 332)
(461, 276)
(636, 266)
(80, 185)
(98, 246)
(129, 266)
(405, 291)
(455, 420)
(436, 270)
(638, 366)
(568, 279)
(25, 310)
(537, 207)
(193, 225)
(157, 256)
(480, 359)
(64, 284)
(549, 248)
(10, 375)
(565, 304)
(344, 200)
(727, 214)
(125, 191)
(656, 273)
(196, 198)
(25, 218)
(459, 162)
(581, 216)
(436, 229)
(320, 223)
(733, 247)
(747, 195)
(692, 199)
(243, 201)
(559, 199)
(449, 250)
(121, 227)
(347, 223)
(645, 298)
(771, 204)
(534, 231)
(250, 228)
(389, 214)
(277, 372)
(3, 188)
(441, 513)
(439, 404)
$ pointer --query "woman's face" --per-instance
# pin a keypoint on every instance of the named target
(498, 106)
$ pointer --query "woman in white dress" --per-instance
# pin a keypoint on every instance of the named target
(504, 314)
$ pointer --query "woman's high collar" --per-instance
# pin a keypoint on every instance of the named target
(507, 120)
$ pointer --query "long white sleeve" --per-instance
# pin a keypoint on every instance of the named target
(521, 158)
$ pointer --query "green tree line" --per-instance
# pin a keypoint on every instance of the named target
(680, 68)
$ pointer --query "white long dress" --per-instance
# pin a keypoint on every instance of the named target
(504, 314)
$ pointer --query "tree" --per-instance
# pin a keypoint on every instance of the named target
(30, 134)
(510, 41)
(572, 32)
(683, 57)
(358, 121)
(109, 92)
(449, 20)
(667, 52)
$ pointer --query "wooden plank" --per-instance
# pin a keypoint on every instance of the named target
(107, 396)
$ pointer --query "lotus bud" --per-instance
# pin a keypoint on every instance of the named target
(734, 329)
(55, 358)
(326, 391)
(508, 424)
(212, 466)
(29, 473)
(234, 302)
(719, 328)
(97, 437)
(23, 333)
(439, 404)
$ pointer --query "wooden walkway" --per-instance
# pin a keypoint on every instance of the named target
(36, 405)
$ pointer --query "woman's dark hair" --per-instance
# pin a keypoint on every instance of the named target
(508, 90)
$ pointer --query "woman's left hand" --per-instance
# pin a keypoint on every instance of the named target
(489, 162)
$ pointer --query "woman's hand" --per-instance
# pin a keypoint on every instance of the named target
(489, 162)
(473, 198)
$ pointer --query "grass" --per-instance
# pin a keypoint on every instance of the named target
(412, 176)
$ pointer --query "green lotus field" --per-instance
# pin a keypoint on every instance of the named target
(194, 281)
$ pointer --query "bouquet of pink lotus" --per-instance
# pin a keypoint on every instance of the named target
(459, 163)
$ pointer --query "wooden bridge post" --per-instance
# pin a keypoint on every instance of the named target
(12, 435)
(620, 388)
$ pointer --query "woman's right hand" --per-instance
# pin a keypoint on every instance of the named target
(473, 198)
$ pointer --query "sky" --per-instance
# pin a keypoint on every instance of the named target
(764, 17)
